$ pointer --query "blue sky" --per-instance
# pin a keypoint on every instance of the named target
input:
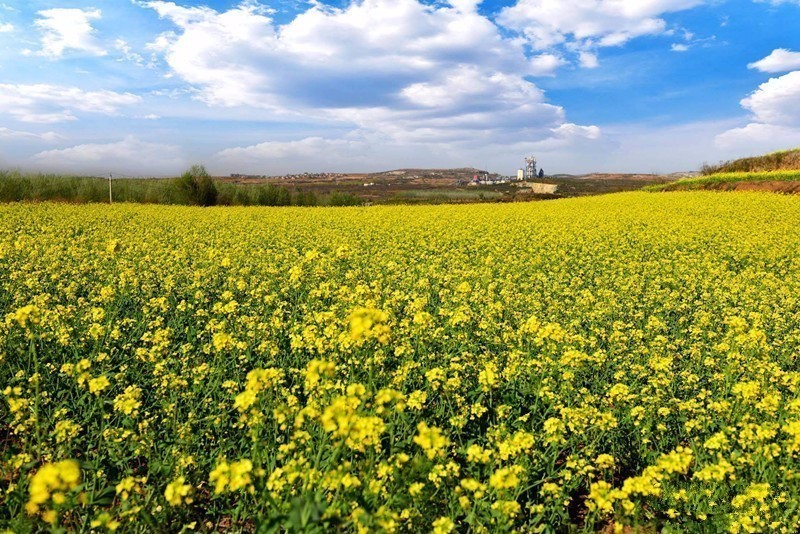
(144, 87)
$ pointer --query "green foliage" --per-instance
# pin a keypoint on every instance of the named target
(198, 186)
(342, 199)
(715, 180)
(194, 187)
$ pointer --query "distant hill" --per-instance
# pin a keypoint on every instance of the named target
(429, 174)
(469, 172)
(778, 172)
(635, 177)
(784, 181)
(784, 160)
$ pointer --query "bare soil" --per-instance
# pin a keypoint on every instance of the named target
(792, 188)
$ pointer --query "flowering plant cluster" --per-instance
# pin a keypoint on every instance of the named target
(593, 364)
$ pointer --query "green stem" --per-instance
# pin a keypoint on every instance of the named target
(37, 394)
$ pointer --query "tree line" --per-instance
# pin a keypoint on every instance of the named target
(195, 187)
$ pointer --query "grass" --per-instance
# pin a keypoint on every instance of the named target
(715, 180)
(775, 161)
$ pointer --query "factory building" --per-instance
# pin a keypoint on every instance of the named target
(530, 168)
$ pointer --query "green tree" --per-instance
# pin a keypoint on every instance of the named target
(198, 187)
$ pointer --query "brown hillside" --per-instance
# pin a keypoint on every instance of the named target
(777, 161)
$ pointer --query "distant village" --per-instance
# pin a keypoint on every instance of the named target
(303, 176)
(529, 173)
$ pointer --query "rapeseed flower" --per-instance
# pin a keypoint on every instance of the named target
(49, 485)
(371, 368)
(443, 525)
(231, 476)
(177, 492)
(26, 316)
(431, 439)
(369, 323)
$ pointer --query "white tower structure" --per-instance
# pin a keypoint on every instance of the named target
(530, 168)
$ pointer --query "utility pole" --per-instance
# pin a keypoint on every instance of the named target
(110, 200)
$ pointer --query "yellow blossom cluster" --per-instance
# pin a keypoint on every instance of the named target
(177, 492)
(368, 323)
(625, 360)
(49, 487)
(231, 476)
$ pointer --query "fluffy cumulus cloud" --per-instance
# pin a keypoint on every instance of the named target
(45, 103)
(757, 138)
(584, 25)
(780, 60)
(68, 30)
(777, 101)
(130, 155)
(546, 64)
(398, 69)
(775, 109)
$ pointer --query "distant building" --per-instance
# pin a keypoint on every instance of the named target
(521, 174)
(530, 168)
(485, 178)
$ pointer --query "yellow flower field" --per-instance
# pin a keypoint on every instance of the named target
(626, 360)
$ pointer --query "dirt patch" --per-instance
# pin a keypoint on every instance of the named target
(7, 438)
(792, 188)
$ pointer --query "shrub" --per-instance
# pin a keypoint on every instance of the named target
(343, 199)
(198, 186)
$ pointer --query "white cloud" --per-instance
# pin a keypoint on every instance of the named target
(588, 60)
(400, 69)
(546, 64)
(776, 101)
(279, 156)
(589, 24)
(131, 156)
(50, 137)
(53, 103)
(6, 27)
(758, 138)
(467, 6)
(775, 108)
(127, 53)
(572, 131)
(366, 152)
(68, 29)
(780, 60)
(680, 47)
